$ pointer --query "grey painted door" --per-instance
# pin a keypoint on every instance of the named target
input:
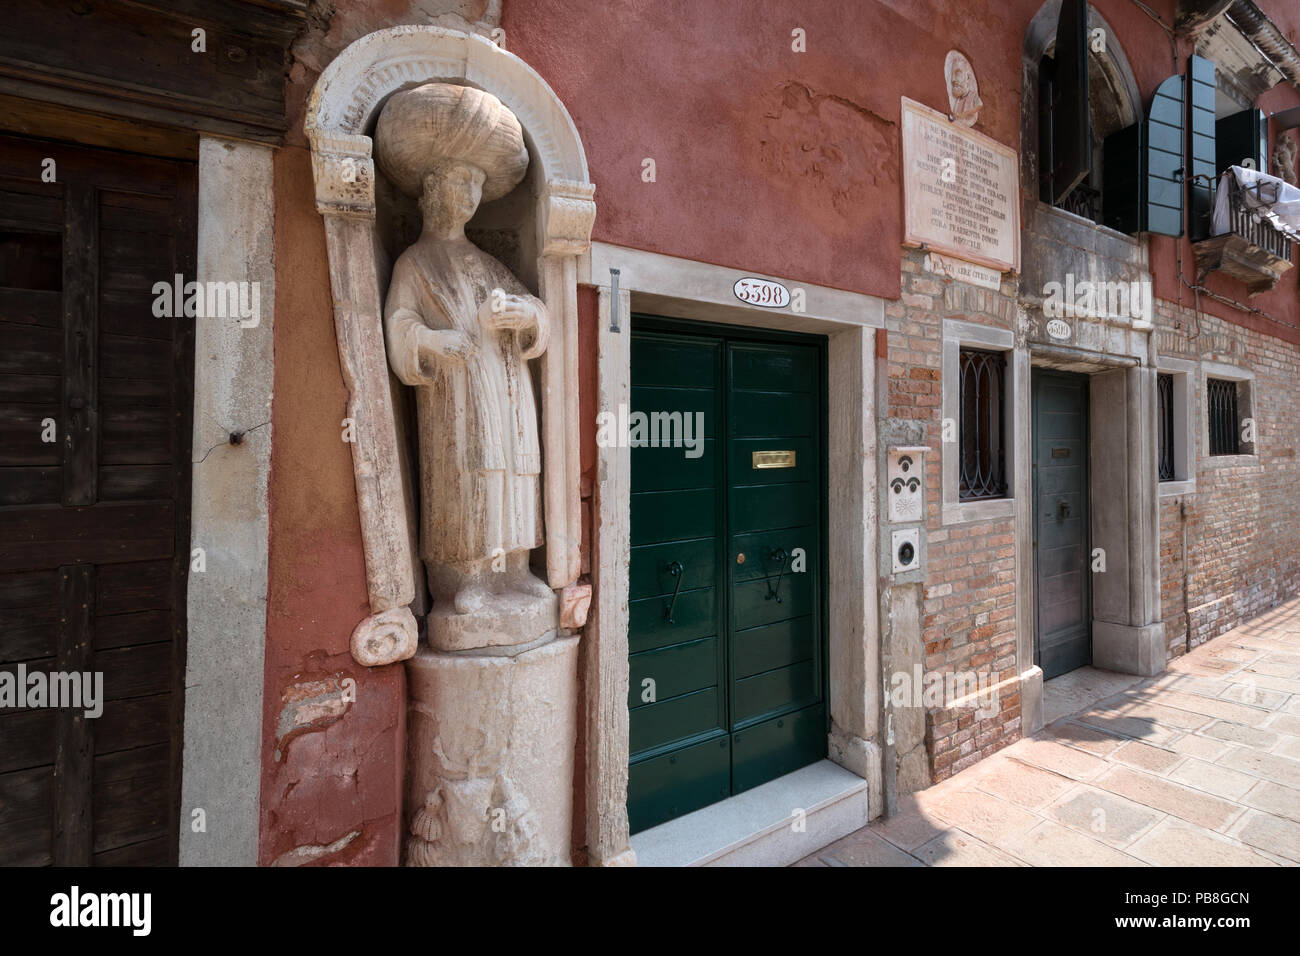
(1062, 592)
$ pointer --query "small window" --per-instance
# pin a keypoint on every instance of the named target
(1165, 396)
(983, 399)
(1222, 414)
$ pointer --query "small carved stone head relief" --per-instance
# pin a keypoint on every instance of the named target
(1284, 156)
(963, 92)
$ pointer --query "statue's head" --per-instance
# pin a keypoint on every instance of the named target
(452, 147)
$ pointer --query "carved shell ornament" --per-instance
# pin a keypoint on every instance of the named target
(424, 127)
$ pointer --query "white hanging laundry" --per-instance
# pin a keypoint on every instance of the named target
(1267, 198)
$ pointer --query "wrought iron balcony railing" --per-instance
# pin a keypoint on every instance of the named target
(1250, 246)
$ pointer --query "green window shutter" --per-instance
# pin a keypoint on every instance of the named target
(1142, 168)
(1201, 145)
(1242, 140)
(1071, 125)
(1162, 161)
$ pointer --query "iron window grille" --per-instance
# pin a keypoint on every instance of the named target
(1222, 397)
(983, 412)
(1165, 395)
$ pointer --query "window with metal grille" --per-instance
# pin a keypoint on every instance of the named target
(983, 400)
(1222, 399)
(1165, 396)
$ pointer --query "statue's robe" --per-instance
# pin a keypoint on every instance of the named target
(479, 455)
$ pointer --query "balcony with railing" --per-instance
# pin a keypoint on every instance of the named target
(1255, 219)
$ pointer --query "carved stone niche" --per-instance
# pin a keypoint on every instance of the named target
(493, 700)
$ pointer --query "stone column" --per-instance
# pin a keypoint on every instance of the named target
(233, 372)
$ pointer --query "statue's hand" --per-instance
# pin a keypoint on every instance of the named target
(506, 312)
(441, 345)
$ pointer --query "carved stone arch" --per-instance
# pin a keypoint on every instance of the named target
(341, 112)
(1122, 92)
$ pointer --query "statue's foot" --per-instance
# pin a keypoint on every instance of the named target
(532, 585)
(471, 598)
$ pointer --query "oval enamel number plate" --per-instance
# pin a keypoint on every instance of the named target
(762, 292)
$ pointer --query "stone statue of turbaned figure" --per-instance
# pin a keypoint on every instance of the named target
(461, 328)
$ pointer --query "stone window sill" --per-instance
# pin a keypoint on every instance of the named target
(965, 512)
(1231, 461)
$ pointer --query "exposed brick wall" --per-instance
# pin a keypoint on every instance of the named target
(1243, 526)
(1172, 607)
(1243, 520)
(969, 614)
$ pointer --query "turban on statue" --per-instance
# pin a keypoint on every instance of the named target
(436, 123)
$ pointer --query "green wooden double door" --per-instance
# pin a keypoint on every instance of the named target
(726, 611)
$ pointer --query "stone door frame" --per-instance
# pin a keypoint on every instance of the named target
(690, 290)
(341, 112)
(1127, 633)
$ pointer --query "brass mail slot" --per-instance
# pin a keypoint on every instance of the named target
(773, 459)
(1060, 453)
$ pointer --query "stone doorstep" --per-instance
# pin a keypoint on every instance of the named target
(754, 828)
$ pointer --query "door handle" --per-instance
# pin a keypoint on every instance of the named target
(1062, 509)
(777, 554)
(677, 571)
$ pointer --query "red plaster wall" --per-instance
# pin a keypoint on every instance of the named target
(335, 775)
(788, 163)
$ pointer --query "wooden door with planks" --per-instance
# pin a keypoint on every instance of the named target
(96, 395)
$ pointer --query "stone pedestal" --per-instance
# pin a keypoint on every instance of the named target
(509, 620)
(491, 743)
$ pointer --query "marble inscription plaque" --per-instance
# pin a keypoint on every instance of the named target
(960, 190)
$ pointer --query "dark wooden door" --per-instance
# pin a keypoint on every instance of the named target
(726, 652)
(1063, 611)
(95, 417)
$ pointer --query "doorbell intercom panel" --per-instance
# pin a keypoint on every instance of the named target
(907, 550)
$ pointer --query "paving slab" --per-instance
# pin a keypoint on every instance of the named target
(1194, 745)
(955, 848)
(1275, 799)
(1024, 785)
(1105, 816)
(1281, 770)
(1051, 844)
(1276, 835)
(1240, 734)
(1191, 805)
(1220, 781)
(1074, 734)
(1135, 753)
(864, 848)
(983, 815)
(1174, 843)
(1055, 757)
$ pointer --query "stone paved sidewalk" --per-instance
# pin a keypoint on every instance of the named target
(1198, 767)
